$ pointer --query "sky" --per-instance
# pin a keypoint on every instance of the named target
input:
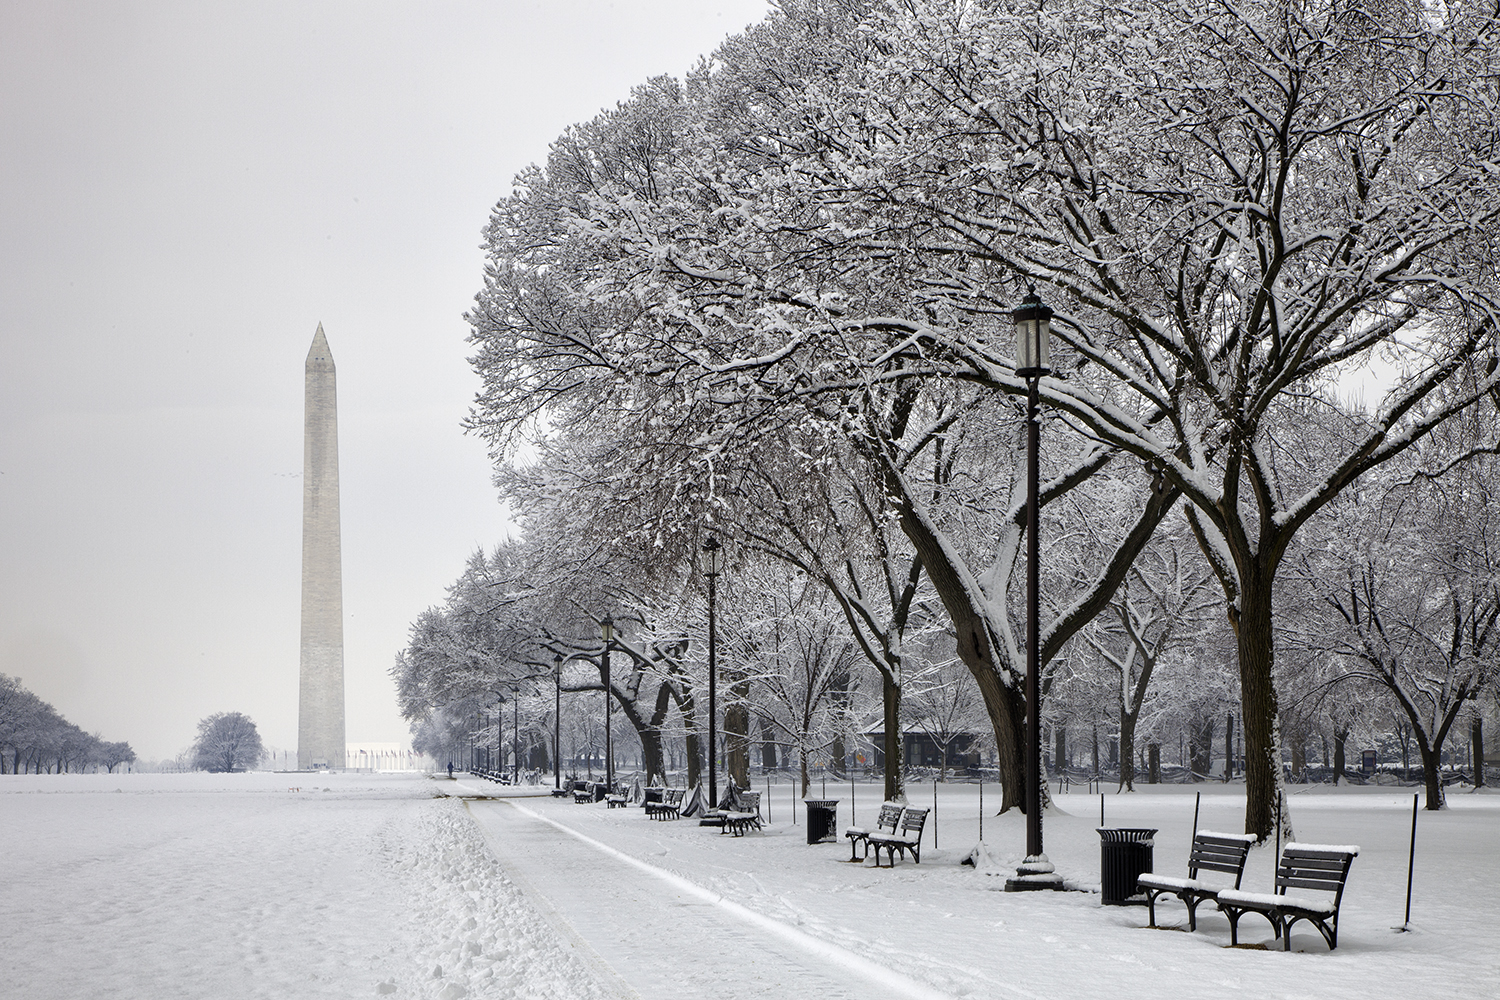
(186, 191)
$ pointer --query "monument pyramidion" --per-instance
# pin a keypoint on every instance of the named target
(320, 721)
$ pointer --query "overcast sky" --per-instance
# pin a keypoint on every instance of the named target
(186, 191)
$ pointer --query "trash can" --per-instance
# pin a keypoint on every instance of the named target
(1125, 854)
(822, 820)
(653, 795)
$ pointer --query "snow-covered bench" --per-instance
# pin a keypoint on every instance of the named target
(668, 808)
(737, 821)
(1219, 852)
(886, 822)
(1322, 867)
(908, 838)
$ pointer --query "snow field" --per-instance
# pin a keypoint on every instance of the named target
(281, 886)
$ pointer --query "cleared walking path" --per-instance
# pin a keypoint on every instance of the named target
(651, 934)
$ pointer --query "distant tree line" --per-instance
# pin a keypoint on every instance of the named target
(35, 739)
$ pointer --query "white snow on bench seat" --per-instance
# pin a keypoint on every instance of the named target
(1268, 900)
(855, 831)
(1330, 848)
(1173, 882)
(1248, 838)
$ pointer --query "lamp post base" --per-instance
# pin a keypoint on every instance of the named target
(1034, 874)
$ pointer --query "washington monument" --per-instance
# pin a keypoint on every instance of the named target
(320, 720)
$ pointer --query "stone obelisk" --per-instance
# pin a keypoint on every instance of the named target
(320, 722)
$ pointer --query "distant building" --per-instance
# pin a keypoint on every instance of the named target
(920, 750)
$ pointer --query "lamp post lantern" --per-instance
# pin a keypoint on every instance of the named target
(557, 662)
(1033, 322)
(711, 547)
(607, 627)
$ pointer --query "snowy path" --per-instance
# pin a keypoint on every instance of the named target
(641, 921)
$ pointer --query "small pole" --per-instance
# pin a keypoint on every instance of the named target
(1197, 800)
(768, 796)
(852, 820)
(934, 814)
(1411, 864)
(981, 810)
(1101, 807)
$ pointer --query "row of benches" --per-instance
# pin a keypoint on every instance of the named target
(1322, 867)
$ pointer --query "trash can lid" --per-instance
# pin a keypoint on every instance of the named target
(1125, 834)
(821, 802)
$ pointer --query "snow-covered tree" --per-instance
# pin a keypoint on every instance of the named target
(227, 741)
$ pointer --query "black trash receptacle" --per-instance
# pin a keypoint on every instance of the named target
(822, 820)
(1125, 854)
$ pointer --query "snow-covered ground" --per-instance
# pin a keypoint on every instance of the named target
(368, 885)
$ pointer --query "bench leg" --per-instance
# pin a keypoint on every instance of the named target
(1192, 905)
(1151, 895)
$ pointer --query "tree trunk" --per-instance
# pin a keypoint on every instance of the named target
(890, 697)
(1432, 776)
(1340, 737)
(1476, 740)
(1201, 743)
(1096, 749)
(1264, 792)
(1060, 747)
(737, 737)
(767, 747)
(1229, 747)
(1153, 766)
(692, 747)
(1127, 752)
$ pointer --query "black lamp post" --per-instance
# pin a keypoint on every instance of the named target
(1033, 321)
(607, 628)
(711, 547)
(557, 662)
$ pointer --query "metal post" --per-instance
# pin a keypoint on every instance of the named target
(1033, 626)
(609, 748)
(515, 739)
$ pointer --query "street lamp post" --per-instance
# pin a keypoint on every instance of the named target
(557, 662)
(1033, 322)
(515, 736)
(711, 547)
(607, 627)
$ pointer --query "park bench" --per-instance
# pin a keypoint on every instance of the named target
(885, 822)
(1302, 866)
(908, 838)
(615, 800)
(1219, 852)
(669, 807)
(588, 791)
(737, 821)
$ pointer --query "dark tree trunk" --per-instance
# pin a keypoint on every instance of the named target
(1201, 744)
(737, 738)
(1476, 740)
(1432, 776)
(1258, 707)
(1229, 747)
(1153, 765)
(767, 747)
(1127, 752)
(1059, 747)
(1096, 749)
(1340, 737)
(890, 698)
